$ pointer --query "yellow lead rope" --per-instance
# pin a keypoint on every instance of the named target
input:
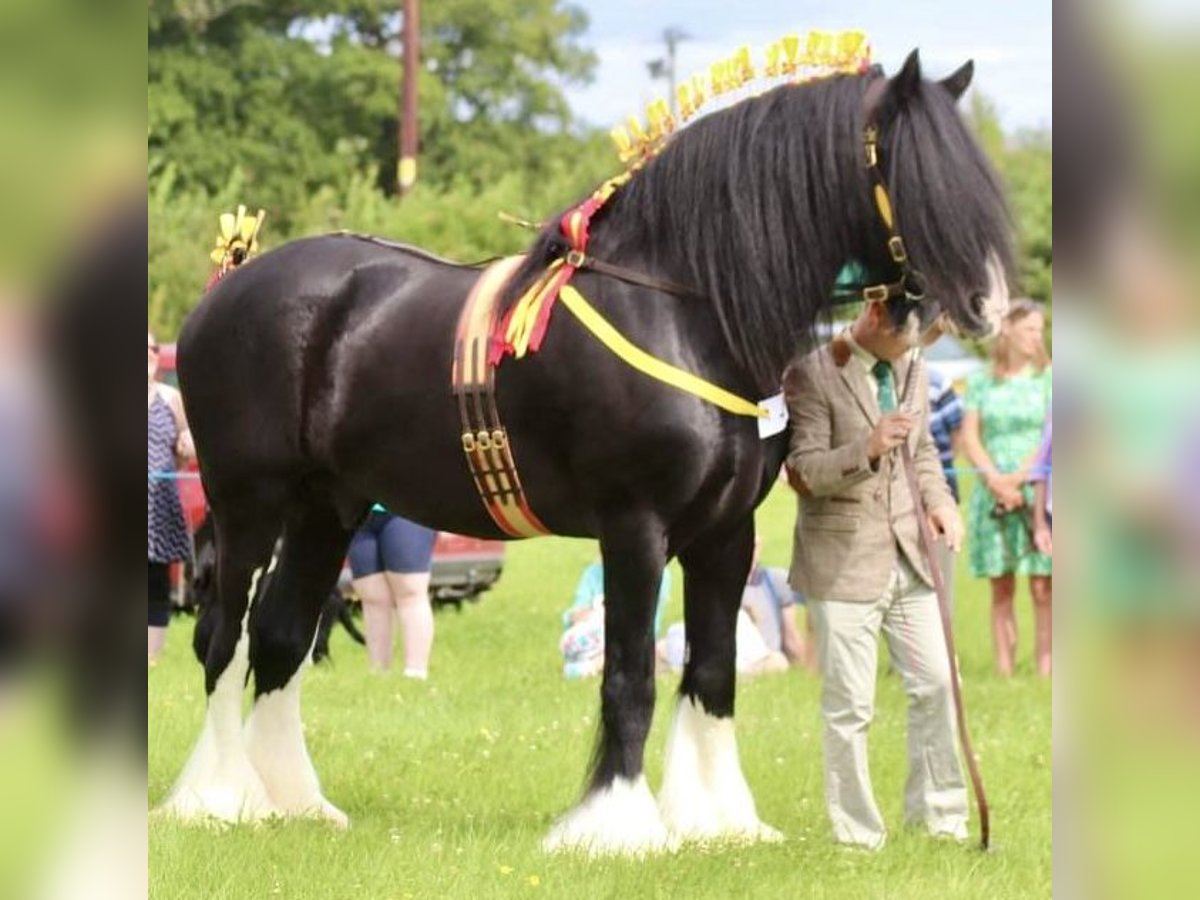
(655, 368)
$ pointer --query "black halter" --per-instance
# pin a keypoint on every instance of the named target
(911, 283)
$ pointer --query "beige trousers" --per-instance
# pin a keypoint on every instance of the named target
(935, 795)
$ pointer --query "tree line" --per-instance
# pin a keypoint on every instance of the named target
(293, 107)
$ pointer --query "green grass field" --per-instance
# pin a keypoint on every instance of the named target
(450, 785)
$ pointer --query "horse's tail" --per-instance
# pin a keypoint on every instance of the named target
(237, 240)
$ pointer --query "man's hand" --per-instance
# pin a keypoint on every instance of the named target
(889, 432)
(947, 525)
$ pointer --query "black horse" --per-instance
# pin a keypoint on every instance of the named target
(316, 380)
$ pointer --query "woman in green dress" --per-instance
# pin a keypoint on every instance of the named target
(1006, 407)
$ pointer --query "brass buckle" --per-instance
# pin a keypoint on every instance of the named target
(468, 442)
(483, 441)
(877, 293)
(896, 248)
(871, 138)
(498, 439)
(576, 259)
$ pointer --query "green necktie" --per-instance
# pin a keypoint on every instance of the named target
(887, 388)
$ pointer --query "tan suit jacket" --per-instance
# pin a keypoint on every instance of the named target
(854, 518)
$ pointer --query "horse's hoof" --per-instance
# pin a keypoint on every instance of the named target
(620, 820)
(329, 813)
(213, 804)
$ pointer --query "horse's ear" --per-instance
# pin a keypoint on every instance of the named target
(957, 82)
(908, 79)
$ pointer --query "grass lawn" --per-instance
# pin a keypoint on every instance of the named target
(451, 784)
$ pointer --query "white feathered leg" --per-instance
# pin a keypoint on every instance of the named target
(704, 794)
(218, 781)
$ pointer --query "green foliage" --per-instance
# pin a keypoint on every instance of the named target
(1026, 165)
(293, 108)
(303, 95)
(459, 219)
(1028, 169)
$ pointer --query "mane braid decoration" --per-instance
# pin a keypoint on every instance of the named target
(791, 61)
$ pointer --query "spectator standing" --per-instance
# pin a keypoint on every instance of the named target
(391, 559)
(945, 426)
(168, 441)
(1043, 496)
(1006, 409)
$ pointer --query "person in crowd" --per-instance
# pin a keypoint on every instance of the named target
(945, 426)
(168, 442)
(857, 558)
(582, 641)
(768, 639)
(391, 559)
(1006, 408)
(771, 604)
(1042, 477)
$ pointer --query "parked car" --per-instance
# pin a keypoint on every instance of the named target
(463, 567)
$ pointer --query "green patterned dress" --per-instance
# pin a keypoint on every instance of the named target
(1012, 414)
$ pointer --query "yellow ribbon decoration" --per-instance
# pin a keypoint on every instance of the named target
(650, 365)
(525, 311)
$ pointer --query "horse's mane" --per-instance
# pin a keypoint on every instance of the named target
(758, 206)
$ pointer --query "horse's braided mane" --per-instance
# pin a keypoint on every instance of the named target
(758, 207)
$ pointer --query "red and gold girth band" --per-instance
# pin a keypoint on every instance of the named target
(484, 439)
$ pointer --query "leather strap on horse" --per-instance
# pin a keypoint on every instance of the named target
(485, 440)
(911, 283)
(939, 587)
(581, 260)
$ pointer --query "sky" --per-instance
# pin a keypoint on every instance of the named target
(1010, 40)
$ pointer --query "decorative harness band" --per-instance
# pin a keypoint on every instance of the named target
(484, 438)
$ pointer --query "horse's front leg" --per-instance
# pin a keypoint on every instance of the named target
(704, 794)
(618, 813)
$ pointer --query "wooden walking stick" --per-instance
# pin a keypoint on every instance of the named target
(939, 587)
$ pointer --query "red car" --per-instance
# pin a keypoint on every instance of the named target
(463, 567)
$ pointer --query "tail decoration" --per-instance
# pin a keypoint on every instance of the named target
(793, 59)
(236, 242)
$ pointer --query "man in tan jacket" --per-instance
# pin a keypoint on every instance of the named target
(857, 557)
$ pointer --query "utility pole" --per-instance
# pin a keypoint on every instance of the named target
(665, 67)
(406, 169)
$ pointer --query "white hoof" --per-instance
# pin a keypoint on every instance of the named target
(621, 820)
(704, 795)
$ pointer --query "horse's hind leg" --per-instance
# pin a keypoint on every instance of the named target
(282, 629)
(618, 813)
(218, 780)
(704, 794)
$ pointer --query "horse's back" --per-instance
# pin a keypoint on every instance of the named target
(274, 340)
